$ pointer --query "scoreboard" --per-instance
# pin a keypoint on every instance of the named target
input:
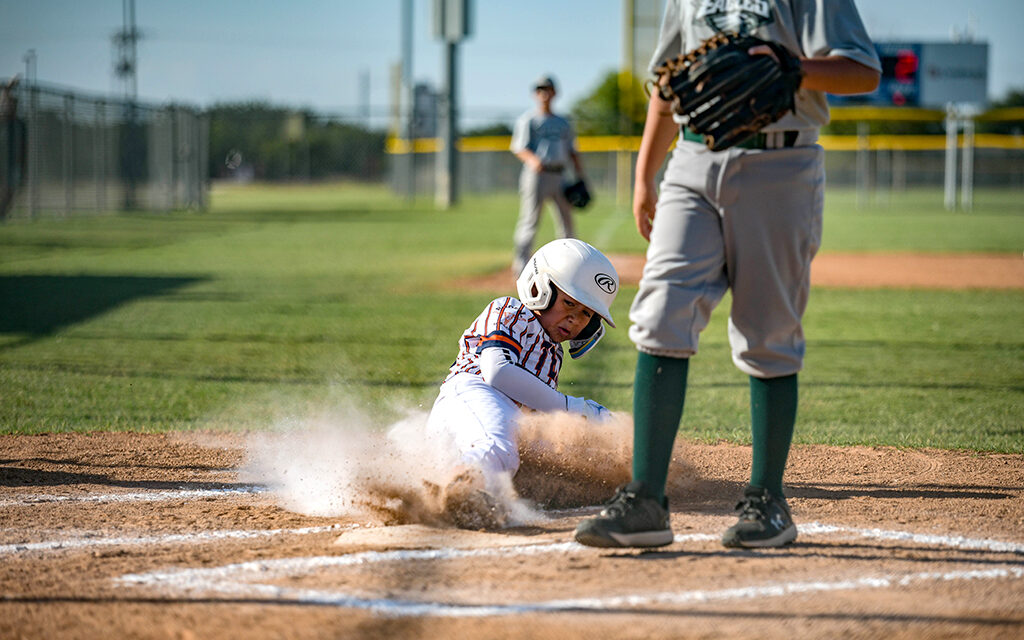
(928, 74)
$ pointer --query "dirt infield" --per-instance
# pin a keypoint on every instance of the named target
(122, 535)
(861, 271)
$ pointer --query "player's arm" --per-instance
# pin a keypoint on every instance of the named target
(577, 162)
(574, 154)
(659, 131)
(529, 158)
(499, 369)
(520, 146)
(838, 75)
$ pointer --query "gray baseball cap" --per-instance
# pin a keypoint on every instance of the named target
(544, 82)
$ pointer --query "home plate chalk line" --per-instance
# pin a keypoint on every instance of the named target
(249, 579)
(135, 496)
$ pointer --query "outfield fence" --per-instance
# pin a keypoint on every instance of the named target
(872, 163)
(64, 152)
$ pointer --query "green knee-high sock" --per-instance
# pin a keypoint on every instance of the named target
(659, 390)
(773, 404)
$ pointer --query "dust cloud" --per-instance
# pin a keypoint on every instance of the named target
(338, 463)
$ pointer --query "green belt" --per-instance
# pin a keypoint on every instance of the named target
(757, 141)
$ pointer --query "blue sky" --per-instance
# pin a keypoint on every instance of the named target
(315, 53)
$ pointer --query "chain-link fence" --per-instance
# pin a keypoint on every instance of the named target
(491, 167)
(63, 152)
(888, 155)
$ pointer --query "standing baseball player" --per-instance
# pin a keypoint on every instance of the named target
(510, 356)
(746, 219)
(545, 143)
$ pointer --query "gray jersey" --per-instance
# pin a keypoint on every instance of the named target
(550, 137)
(802, 26)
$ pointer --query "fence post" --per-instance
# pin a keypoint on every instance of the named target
(863, 164)
(172, 199)
(97, 153)
(68, 153)
(32, 149)
(950, 176)
(967, 168)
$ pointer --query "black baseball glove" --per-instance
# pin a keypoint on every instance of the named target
(577, 194)
(726, 94)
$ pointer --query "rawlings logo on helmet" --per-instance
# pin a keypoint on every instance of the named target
(605, 282)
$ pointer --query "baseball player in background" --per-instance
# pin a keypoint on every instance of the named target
(746, 219)
(545, 143)
(510, 356)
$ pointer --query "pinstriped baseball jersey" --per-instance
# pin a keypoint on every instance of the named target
(506, 323)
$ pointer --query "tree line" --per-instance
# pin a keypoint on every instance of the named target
(266, 142)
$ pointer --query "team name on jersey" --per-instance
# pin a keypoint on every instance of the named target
(743, 16)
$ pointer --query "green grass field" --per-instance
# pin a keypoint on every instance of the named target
(281, 301)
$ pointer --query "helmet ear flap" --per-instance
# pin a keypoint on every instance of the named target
(551, 297)
(536, 290)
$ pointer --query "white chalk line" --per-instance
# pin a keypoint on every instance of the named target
(137, 496)
(233, 579)
(407, 608)
(956, 542)
(812, 529)
(90, 541)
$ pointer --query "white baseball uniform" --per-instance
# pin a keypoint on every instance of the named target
(506, 361)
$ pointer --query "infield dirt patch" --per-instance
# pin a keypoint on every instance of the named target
(856, 270)
(118, 535)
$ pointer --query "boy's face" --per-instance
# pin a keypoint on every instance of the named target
(565, 318)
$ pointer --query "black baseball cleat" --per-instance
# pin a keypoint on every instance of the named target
(764, 521)
(631, 519)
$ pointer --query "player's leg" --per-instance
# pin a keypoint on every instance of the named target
(482, 422)
(769, 266)
(683, 281)
(530, 203)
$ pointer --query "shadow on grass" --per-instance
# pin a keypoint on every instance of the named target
(39, 305)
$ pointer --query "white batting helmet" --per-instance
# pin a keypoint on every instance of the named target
(583, 273)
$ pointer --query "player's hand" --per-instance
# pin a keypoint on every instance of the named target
(589, 409)
(645, 196)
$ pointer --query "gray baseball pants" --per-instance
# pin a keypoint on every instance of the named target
(744, 220)
(534, 189)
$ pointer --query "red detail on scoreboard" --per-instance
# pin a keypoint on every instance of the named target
(905, 69)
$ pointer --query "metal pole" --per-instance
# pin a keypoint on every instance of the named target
(407, 94)
(967, 169)
(32, 149)
(98, 168)
(863, 164)
(30, 67)
(950, 178)
(68, 153)
(447, 188)
(623, 168)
